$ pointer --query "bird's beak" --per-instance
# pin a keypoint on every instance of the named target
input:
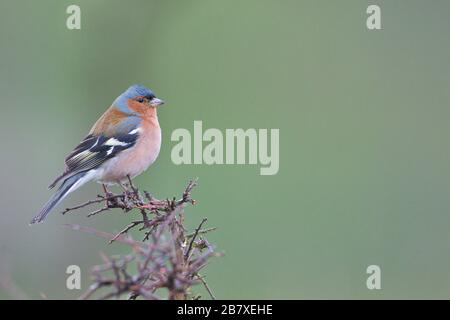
(155, 102)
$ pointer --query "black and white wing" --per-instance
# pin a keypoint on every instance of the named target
(94, 151)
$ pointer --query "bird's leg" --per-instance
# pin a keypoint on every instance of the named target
(108, 194)
(129, 195)
(131, 184)
(126, 191)
(106, 191)
(123, 186)
(130, 191)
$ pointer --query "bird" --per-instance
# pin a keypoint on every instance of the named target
(122, 144)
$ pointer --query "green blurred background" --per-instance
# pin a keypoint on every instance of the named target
(363, 118)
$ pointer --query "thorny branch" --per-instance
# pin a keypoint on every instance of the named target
(165, 264)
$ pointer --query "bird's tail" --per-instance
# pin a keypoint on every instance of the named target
(69, 185)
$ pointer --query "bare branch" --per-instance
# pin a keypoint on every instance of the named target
(186, 255)
(167, 258)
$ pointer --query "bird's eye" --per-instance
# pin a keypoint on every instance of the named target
(140, 100)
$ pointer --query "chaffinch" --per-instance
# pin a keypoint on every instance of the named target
(123, 143)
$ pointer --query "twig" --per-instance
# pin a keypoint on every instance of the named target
(186, 255)
(202, 280)
(126, 229)
(88, 203)
(162, 259)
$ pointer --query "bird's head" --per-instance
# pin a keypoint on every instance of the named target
(137, 98)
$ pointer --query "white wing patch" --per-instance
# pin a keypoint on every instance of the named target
(135, 131)
(114, 142)
(110, 151)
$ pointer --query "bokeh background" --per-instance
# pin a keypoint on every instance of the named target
(364, 131)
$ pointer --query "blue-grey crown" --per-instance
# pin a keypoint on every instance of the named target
(138, 90)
